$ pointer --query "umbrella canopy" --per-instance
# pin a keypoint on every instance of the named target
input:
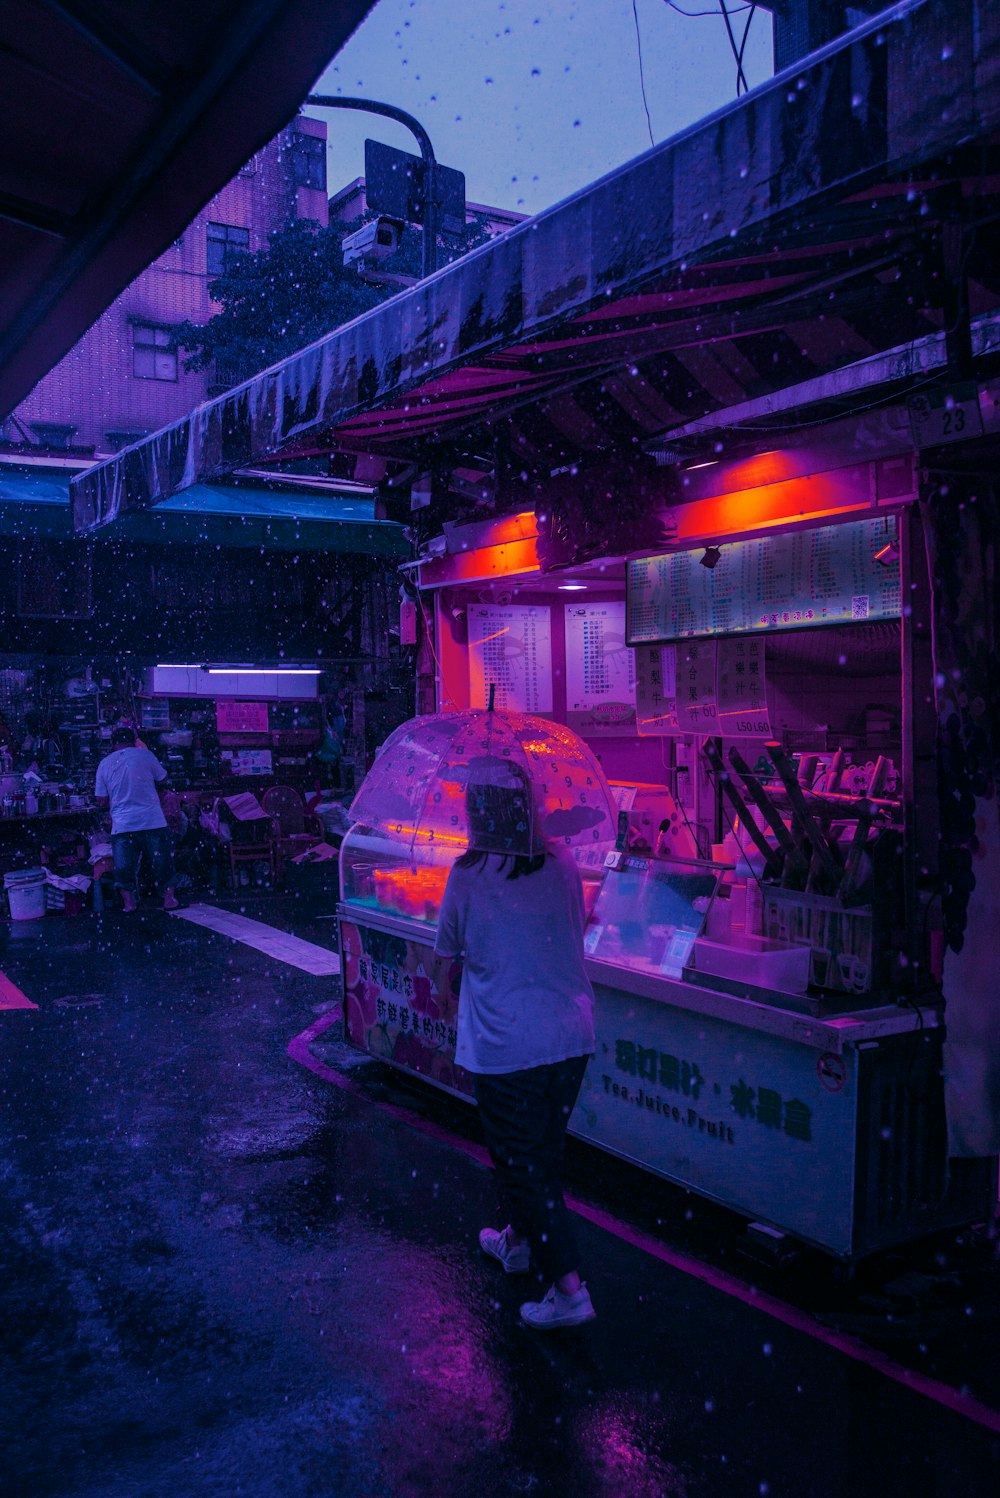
(529, 781)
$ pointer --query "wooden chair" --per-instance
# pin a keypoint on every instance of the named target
(269, 853)
(298, 829)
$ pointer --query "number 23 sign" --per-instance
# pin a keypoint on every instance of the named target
(938, 416)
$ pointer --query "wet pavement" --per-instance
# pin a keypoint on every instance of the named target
(224, 1274)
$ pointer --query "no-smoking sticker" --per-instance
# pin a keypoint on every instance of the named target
(831, 1071)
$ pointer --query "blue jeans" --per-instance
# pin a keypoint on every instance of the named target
(152, 845)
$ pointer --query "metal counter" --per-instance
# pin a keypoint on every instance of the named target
(831, 1130)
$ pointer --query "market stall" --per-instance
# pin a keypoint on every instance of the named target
(762, 936)
(779, 324)
(240, 747)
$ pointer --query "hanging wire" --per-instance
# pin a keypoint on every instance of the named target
(694, 14)
(737, 51)
(746, 33)
(642, 73)
(728, 12)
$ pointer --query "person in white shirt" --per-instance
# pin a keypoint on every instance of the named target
(525, 1029)
(127, 780)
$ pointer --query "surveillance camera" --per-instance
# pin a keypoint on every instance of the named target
(376, 241)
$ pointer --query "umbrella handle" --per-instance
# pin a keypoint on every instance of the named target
(489, 705)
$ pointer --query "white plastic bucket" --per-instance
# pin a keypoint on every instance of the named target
(26, 896)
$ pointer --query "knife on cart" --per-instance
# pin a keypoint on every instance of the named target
(823, 847)
(713, 754)
(797, 862)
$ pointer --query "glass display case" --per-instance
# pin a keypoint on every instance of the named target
(382, 875)
(649, 912)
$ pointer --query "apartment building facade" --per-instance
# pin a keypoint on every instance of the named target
(125, 378)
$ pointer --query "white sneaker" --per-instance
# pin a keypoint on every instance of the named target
(516, 1259)
(558, 1309)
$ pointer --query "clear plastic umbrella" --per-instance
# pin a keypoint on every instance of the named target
(416, 791)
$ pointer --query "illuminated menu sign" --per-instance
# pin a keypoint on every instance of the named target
(827, 575)
(510, 649)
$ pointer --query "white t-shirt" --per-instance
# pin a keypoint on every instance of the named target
(129, 777)
(525, 999)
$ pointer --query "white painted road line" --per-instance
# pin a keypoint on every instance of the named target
(319, 961)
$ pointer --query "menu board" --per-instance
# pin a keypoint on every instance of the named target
(510, 648)
(240, 717)
(799, 580)
(703, 686)
(600, 670)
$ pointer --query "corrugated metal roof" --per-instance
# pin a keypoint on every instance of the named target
(825, 218)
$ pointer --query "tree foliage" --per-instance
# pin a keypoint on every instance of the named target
(296, 290)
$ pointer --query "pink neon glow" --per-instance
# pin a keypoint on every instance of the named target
(11, 996)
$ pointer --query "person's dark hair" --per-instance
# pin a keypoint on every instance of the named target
(520, 863)
(500, 816)
(121, 736)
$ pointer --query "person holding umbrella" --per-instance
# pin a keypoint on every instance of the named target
(513, 911)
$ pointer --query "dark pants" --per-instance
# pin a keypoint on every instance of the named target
(152, 845)
(524, 1116)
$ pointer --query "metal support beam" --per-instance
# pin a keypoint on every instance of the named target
(33, 216)
(956, 243)
(109, 45)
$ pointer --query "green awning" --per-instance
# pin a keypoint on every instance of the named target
(36, 502)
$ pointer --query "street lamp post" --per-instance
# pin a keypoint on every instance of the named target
(428, 262)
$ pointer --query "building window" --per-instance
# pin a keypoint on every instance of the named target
(309, 161)
(224, 243)
(153, 355)
(52, 434)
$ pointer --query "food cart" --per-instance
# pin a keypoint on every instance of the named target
(762, 936)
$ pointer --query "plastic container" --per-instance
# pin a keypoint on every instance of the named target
(756, 961)
(841, 940)
(26, 894)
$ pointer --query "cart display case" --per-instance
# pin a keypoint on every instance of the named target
(379, 875)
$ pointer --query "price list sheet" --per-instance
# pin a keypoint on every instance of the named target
(600, 670)
(656, 690)
(510, 648)
(741, 689)
(697, 697)
(806, 578)
(705, 686)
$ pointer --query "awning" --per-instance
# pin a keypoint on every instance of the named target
(848, 208)
(36, 503)
(119, 121)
